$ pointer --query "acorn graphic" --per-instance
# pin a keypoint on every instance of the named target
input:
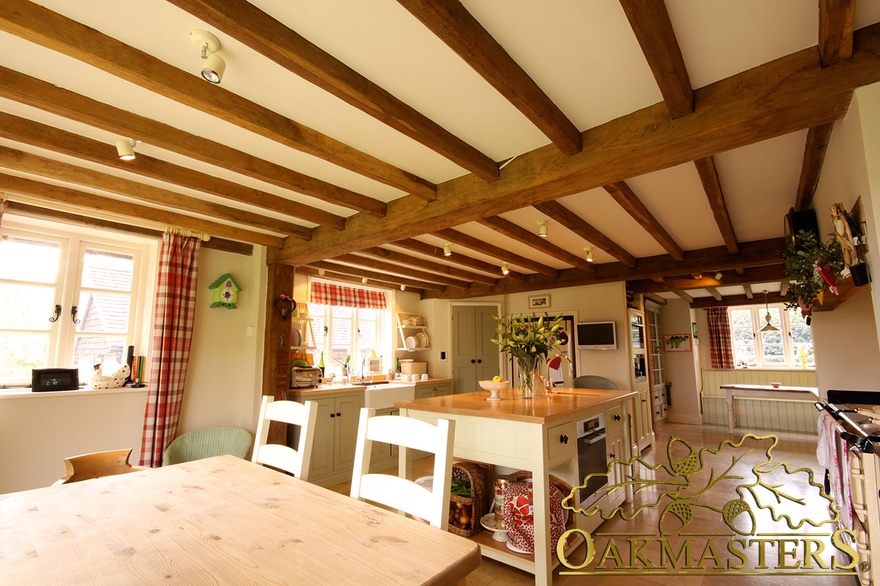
(675, 517)
(687, 465)
(732, 513)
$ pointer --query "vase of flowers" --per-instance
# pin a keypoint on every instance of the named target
(528, 340)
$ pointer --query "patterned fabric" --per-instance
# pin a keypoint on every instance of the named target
(329, 294)
(172, 336)
(719, 338)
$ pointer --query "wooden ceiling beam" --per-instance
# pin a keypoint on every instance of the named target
(375, 264)
(714, 293)
(436, 267)
(752, 275)
(712, 186)
(656, 298)
(271, 38)
(52, 169)
(743, 109)
(49, 29)
(653, 29)
(136, 212)
(67, 143)
(502, 255)
(458, 258)
(523, 236)
(398, 280)
(45, 96)
(734, 301)
(814, 158)
(748, 289)
(334, 276)
(836, 21)
(576, 224)
(455, 26)
(630, 202)
(685, 296)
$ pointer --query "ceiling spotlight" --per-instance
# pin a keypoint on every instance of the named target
(504, 269)
(125, 148)
(542, 228)
(364, 280)
(589, 251)
(403, 287)
(769, 327)
(447, 249)
(320, 272)
(718, 276)
(207, 44)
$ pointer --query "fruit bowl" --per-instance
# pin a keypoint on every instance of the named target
(494, 388)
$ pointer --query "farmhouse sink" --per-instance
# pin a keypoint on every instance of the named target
(384, 394)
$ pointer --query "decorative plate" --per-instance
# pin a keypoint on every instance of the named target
(411, 343)
(422, 339)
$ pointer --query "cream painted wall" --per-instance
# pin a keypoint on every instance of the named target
(224, 378)
(682, 369)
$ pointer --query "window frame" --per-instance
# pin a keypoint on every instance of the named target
(757, 315)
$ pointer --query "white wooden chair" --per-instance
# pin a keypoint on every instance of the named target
(399, 492)
(296, 461)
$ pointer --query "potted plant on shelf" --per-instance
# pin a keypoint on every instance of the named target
(811, 266)
(528, 340)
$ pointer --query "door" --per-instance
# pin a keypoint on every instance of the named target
(474, 356)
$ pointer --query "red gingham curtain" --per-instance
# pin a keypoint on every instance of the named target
(720, 350)
(329, 294)
(172, 336)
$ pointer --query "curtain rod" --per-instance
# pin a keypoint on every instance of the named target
(205, 237)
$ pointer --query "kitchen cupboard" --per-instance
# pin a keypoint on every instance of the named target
(426, 391)
(475, 357)
(335, 437)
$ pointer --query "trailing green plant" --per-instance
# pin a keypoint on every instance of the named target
(811, 266)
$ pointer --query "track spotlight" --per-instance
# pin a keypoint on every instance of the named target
(718, 276)
(125, 148)
(320, 272)
(403, 287)
(542, 228)
(504, 269)
(207, 44)
(364, 280)
(589, 251)
(447, 249)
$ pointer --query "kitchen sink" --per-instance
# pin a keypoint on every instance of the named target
(383, 394)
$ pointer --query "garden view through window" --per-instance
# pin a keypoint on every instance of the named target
(790, 346)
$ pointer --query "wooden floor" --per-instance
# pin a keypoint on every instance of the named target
(796, 450)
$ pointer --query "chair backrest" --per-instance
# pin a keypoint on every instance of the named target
(95, 465)
(398, 492)
(207, 443)
(592, 381)
(296, 461)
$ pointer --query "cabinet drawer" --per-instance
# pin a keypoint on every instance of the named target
(561, 439)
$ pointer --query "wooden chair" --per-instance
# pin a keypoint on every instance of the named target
(399, 492)
(207, 443)
(592, 381)
(95, 465)
(296, 461)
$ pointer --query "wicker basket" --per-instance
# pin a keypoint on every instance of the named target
(479, 501)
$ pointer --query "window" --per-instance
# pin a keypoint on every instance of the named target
(70, 299)
(789, 347)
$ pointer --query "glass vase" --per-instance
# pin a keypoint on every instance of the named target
(527, 365)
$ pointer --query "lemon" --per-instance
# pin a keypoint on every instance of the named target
(496, 379)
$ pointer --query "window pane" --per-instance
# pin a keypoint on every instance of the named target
(93, 349)
(19, 353)
(24, 259)
(771, 337)
(26, 307)
(744, 356)
(740, 318)
(742, 336)
(107, 270)
(103, 312)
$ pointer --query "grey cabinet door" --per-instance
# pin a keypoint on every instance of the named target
(475, 357)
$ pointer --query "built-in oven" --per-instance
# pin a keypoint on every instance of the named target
(592, 459)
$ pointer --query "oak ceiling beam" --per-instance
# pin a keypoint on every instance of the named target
(630, 202)
(740, 110)
(748, 289)
(772, 272)
(334, 276)
(712, 186)
(455, 26)
(714, 293)
(458, 258)
(375, 276)
(23, 209)
(67, 143)
(52, 169)
(653, 29)
(836, 21)
(734, 301)
(136, 212)
(656, 299)
(375, 264)
(39, 25)
(45, 96)
(685, 296)
(271, 38)
(436, 267)
(523, 236)
(576, 224)
(502, 255)
(814, 158)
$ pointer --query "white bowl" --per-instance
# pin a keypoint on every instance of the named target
(489, 385)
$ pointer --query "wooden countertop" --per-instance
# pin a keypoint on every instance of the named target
(545, 409)
(332, 389)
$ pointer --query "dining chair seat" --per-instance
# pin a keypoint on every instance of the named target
(96, 465)
(295, 461)
(207, 443)
(401, 492)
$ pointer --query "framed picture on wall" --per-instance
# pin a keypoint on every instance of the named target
(677, 342)
(539, 302)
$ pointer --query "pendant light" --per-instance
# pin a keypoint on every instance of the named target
(769, 327)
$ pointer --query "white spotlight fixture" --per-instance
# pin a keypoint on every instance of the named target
(542, 228)
(207, 44)
(364, 280)
(589, 251)
(403, 287)
(125, 148)
(447, 249)
(320, 272)
(718, 276)
(504, 269)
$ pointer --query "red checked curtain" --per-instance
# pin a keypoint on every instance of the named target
(329, 294)
(172, 336)
(720, 349)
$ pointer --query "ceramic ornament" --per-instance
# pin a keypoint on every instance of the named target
(225, 290)
(113, 381)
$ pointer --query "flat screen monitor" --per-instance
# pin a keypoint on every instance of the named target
(598, 335)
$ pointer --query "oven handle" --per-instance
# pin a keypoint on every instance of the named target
(592, 439)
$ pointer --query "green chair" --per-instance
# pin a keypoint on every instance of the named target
(592, 381)
(205, 443)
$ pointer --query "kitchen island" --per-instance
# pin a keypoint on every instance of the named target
(538, 435)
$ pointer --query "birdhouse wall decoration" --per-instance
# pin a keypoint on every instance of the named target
(225, 291)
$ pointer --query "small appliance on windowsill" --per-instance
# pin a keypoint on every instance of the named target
(54, 379)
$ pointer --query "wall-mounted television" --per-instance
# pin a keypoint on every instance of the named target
(597, 335)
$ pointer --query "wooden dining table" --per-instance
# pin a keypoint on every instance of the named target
(220, 520)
